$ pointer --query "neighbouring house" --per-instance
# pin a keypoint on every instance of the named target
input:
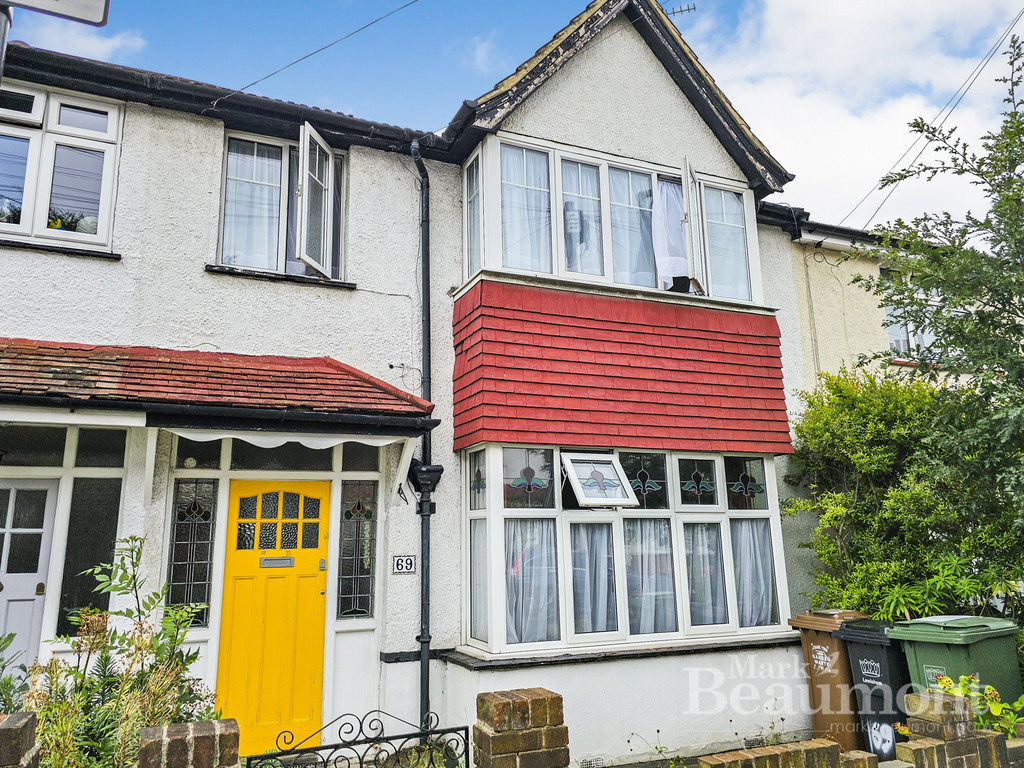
(211, 310)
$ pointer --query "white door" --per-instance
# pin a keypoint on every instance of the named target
(26, 528)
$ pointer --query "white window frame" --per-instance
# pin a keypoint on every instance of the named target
(333, 255)
(306, 136)
(43, 130)
(495, 515)
(585, 501)
(488, 153)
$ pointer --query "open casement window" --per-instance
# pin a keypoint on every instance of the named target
(598, 480)
(315, 196)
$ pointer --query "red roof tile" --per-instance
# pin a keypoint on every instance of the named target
(92, 373)
(546, 366)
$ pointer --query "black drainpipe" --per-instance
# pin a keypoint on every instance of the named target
(423, 475)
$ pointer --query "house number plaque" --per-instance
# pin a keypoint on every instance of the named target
(403, 564)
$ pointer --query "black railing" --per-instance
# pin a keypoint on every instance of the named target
(363, 742)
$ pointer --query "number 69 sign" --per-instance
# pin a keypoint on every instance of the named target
(403, 564)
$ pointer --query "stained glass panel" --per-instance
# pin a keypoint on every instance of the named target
(358, 551)
(745, 482)
(647, 474)
(528, 476)
(477, 480)
(697, 482)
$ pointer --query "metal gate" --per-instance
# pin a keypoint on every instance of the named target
(362, 742)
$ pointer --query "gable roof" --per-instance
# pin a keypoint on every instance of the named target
(203, 384)
(764, 173)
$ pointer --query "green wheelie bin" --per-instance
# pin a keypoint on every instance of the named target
(961, 645)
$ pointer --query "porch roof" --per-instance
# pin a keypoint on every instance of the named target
(192, 384)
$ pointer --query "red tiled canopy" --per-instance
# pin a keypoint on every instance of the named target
(107, 374)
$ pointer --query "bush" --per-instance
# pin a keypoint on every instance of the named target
(130, 670)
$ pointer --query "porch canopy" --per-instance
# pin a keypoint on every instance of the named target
(183, 390)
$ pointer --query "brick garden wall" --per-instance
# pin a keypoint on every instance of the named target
(523, 728)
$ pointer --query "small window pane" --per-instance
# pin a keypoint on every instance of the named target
(95, 506)
(697, 482)
(268, 506)
(727, 244)
(196, 454)
(247, 508)
(32, 446)
(359, 457)
(754, 569)
(246, 536)
(288, 457)
(191, 544)
(706, 574)
(289, 535)
(24, 554)
(317, 197)
(478, 579)
(599, 480)
(647, 473)
(29, 509)
(632, 237)
(528, 478)
(358, 554)
(268, 535)
(744, 479)
(650, 576)
(13, 162)
(477, 480)
(531, 581)
(310, 508)
(290, 506)
(581, 218)
(525, 209)
(252, 204)
(593, 578)
(76, 191)
(13, 101)
(5, 503)
(474, 246)
(310, 535)
(79, 117)
(100, 448)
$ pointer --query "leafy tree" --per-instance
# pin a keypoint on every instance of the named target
(962, 280)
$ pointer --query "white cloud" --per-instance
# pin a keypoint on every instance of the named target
(484, 56)
(76, 39)
(830, 88)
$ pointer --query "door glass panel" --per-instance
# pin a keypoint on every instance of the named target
(289, 535)
(268, 510)
(29, 509)
(291, 506)
(24, 554)
(268, 535)
(356, 564)
(75, 194)
(100, 448)
(5, 502)
(247, 508)
(13, 162)
(246, 535)
(310, 535)
(311, 508)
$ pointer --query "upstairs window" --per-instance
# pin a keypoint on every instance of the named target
(542, 209)
(57, 159)
(283, 206)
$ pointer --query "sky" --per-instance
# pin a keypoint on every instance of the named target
(828, 86)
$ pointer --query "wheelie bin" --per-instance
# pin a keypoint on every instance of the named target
(962, 645)
(833, 711)
(881, 679)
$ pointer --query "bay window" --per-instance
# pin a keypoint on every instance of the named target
(57, 160)
(282, 206)
(573, 549)
(538, 208)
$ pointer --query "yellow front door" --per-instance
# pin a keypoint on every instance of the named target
(270, 664)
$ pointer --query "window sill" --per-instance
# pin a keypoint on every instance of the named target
(36, 245)
(222, 269)
(465, 656)
(642, 294)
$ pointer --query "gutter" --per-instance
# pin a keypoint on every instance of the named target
(797, 223)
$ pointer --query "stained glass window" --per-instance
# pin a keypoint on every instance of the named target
(697, 482)
(598, 480)
(745, 483)
(528, 478)
(358, 552)
(477, 480)
(191, 560)
(647, 474)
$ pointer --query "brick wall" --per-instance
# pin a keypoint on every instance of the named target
(18, 740)
(210, 744)
(520, 729)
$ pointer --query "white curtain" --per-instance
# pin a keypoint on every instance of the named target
(531, 581)
(632, 246)
(650, 577)
(706, 576)
(478, 579)
(581, 208)
(755, 573)
(525, 209)
(252, 204)
(593, 578)
(671, 254)
(727, 243)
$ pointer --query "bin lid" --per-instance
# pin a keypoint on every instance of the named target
(826, 620)
(870, 631)
(953, 630)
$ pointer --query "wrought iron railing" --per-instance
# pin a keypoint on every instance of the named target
(363, 742)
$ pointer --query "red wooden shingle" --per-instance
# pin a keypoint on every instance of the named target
(593, 371)
(150, 375)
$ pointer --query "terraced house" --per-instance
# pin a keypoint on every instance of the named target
(229, 322)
